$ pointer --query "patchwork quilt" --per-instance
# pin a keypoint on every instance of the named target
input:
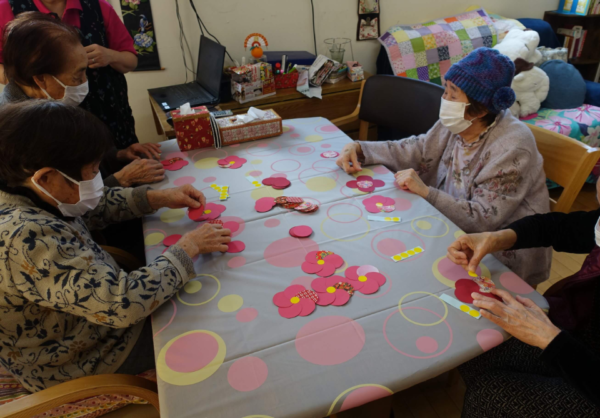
(426, 51)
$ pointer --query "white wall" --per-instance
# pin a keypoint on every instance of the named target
(287, 25)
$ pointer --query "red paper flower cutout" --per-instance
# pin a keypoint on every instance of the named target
(366, 284)
(232, 162)
(365, 184)
(329, 293)
(174, 164)
(209, 212)
(295, 300)
(322, 263)
(264, 204)
(376, 204)
(464, 288)
(278, 183)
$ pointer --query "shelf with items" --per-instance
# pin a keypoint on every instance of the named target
(586, 58)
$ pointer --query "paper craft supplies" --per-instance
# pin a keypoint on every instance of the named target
(222, 190)
(355, 71)
(464, 289)
(252, 82)
(384, 218)
(485, 283)
(461, 306)
(278, 183)
(232, 162)
(254, 182)
(193, 130)
(265, 204)
(301, 231)
(234, 129)
(174, 164)
(407, 254)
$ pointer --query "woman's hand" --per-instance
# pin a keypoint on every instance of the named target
(410, 180)
(350, 154)
(137, 151)
(176, 198)
(140, 172)
(207, 239)
(468, 250)
(520, 317)
(98, 56)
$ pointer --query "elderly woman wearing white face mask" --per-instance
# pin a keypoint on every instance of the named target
(478, 165)
(44, 59)
(89, 316)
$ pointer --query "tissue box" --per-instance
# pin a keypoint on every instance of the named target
(193, 131)
(355, 71)
(252, 82)
(234, 131)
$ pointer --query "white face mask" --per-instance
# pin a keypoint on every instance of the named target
(597, 232)
(74, 95)
(452, 115)
(90, 193)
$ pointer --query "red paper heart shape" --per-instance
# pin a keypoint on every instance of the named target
(464, 288)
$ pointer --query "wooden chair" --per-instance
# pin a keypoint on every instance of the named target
(78, 389)
(404, 105)
(567, 162)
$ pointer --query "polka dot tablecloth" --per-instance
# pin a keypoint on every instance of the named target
(222, 348)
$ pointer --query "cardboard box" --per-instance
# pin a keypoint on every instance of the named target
(252, 82)
(234, 131)
(193, 131)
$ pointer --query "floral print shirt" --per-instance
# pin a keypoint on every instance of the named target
(66, 309)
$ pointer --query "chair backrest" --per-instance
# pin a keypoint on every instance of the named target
(567, 162)
(404, 105)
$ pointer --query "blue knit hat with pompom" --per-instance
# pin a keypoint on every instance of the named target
(485, 75)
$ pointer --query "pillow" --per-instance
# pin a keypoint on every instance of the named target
(504, 25)
(567, 86)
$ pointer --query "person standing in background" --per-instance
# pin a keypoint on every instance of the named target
(110, 54)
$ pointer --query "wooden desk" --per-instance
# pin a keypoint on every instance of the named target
(338, 100)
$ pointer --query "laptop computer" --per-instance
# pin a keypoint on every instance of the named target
(205, 89)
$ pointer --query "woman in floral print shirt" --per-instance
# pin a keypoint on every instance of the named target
(66, 309)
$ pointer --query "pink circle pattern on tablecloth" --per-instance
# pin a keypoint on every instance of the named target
(262, 145)
(391, 246)
(489, 338)
(210, 179)
(342, 340)
(295, 136)
(427, 345)
(246, 315)
(191, 352)
(279, 175)
(236, 262)
(251, 145)
(362, 396)
(326, 146)
(402, 204)
(289, 252)
(376, 251)
(184, 180)
(410, 355)
(327, 170)
(247, 374)
(380, 170)
(255, 173)
(286, 171)
(272, 223)
(326, 129)
(302, 150)
(453, 271)
(228, 223)
(514, 283)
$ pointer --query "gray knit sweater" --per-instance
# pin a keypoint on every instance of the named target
(508, 183)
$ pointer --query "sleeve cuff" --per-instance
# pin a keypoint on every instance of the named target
(364, 146)
(111, 181)
(140, 200)
(432, 196)
(182, 262)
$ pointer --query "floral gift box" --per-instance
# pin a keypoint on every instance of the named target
(193, 131)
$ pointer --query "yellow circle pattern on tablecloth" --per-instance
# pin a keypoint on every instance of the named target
(193, 286)
(183, 379)
(206, 301)
(153, 238)
(419, 323)
(320, 184)
(419, 221)
(265, 192)
(364, 172)
(256, 162)
(450, 283)
(230, 303)
(206, 163)
(313, 138)
(459, 233)
(172, 215)
(354, 388)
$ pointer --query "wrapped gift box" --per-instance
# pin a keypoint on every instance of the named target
(252, 82)
(233, 130)
(193, 131)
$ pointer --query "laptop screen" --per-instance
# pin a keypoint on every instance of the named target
(211, 59)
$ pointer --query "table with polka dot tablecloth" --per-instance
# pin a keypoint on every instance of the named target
(222, 347)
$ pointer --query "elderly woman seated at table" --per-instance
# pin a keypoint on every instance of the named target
(68, 310)
(44, 59)
(551, 367)
(478, 165)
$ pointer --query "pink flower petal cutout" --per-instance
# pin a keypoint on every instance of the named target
(232, 226)
(301, 231)
(342, 297)
(308, 307)
(363, 270)
(370, 286)
(336, 260)
(281, 300)
(327, 270)
(326, 298)
(378, 183)
(277, 183)
(291, 312)
(236, 247)
(264, 204)
(378, 277)
(352, 184)
(352, 273)
(171, 240)
(311, 268)
(196, 214)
